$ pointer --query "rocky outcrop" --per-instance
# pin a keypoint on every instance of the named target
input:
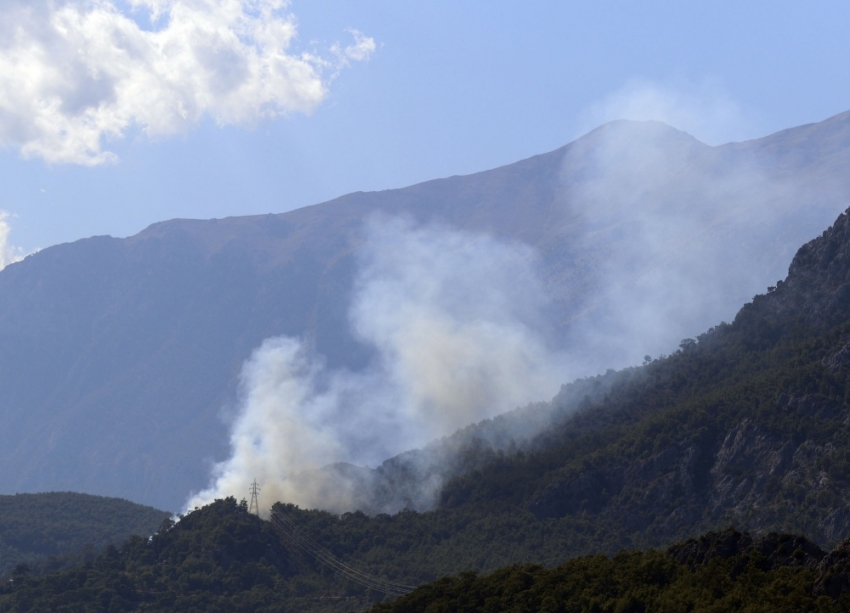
(817, 290)
(834, 572)
(754, 477)
(768, 553)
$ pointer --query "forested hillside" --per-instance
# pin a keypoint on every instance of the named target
(719, 572)
(60, 528)
(748, 424)
(223, 559)
(219, 558)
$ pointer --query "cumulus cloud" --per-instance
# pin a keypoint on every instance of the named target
(455, 319)
(703, 110)
(76, 74)
(8, 253)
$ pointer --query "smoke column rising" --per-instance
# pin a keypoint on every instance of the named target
(8, 253)
(660, 238)
(457, 323)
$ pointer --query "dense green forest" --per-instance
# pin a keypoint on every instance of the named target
(221, 558)
(218, 558)
(718, 573)
(745, 425)
(47, 531)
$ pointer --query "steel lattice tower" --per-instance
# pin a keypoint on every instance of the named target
(254, 506)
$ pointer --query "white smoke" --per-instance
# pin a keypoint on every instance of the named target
(456, 322)
(677, 235)
(663, 237)
(8, 253)
(76, 74)
(704, 109)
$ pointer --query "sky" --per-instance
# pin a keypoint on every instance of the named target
(115, 114)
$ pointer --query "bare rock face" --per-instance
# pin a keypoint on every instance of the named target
(834, 572)
(771, 552)
(748, 458)
(753, 478)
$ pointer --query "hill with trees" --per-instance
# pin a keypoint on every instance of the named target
(58, 529)
(223, 559)
(726, 572)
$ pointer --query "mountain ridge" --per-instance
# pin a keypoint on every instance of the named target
(142, 339)
(747, 424)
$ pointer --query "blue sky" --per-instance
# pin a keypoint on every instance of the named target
(402, 93)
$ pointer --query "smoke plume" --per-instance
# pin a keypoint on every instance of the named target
(657, 237)
(702, 109)
(677, 235)
(8, 253)
(456, 320)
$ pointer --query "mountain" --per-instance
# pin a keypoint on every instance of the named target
(120, 358)
(747, 424)
(55, 528)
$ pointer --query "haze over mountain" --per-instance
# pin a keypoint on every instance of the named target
(748, 424)
(120, 358)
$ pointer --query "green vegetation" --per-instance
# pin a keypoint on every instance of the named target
(635, 470)
(221, 558)
(48, 531)
(632, 581)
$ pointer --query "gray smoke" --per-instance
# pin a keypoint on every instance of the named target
(455, 319)
(662, 237)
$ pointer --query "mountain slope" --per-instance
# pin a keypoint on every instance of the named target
(36, 526)
(119, 358)
(747, 424)
(729, 572)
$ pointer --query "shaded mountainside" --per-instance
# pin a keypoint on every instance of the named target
(748, 424)
(729, 571)
(56, 528)
(760, 409)
(118, 357)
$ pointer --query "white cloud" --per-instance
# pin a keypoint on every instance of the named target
(704, 110)
(75, 74)
(360, 51)
(8, 253)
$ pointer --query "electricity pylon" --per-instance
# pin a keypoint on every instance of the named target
(254, 506)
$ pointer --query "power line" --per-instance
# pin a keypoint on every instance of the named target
(285, 525)
(327, 559)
